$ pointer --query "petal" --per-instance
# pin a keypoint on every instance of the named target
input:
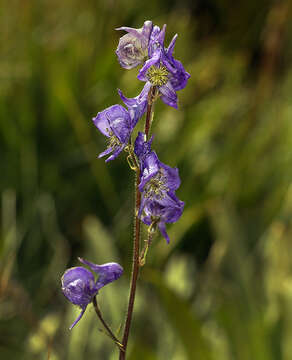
(137, 105)
(150, 169)
(115, 154)
(112, 119)
(161, 36)
(173, 179)
(146, 220)
(142, 206)
(169, 96)
(155, 59)
(78, 318)
(135, 32)
(106, 152)
(139, 143)
(78, 286)
(162, 228)
(170, 48)
(107, 272)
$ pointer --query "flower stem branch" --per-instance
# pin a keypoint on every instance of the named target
(147, 243)
(110, 333)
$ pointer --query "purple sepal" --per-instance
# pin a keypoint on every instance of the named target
(179, 77)
(168, 94)
(142, 147)
(156, 41)
(79, 285)
(108, 272)
(137, 105)
(154, 60)
(166, 210)
(115, 123)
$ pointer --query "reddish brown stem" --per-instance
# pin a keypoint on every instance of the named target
(136, 243)
(151, 99)
(135, 271)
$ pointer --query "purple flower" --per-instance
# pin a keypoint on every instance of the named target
(117, 123)
(132, 47)
(167, 209)
(79, 285)
(162, 70)
(158, 183)
(141, 146)
(156, 178)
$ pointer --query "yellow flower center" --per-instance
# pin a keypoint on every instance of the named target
(157, 75)
(156, 186)
(113, 141)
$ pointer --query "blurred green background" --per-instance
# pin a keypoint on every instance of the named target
(222, 289)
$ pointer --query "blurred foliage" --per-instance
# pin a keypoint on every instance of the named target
(222, 289)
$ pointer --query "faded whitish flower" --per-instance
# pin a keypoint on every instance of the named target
(133, 47)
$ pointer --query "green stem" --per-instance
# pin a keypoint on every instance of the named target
(148, 241)
(110, 333)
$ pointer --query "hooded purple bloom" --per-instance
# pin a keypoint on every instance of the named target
(156, 178)
(79, 285)
(132, 48)
(161, 211)
(162, 70)
(158, 183)
(117, 123)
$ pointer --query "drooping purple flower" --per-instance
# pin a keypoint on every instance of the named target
(117, 123)
(133, 47)
(158, 183)
(162, 70)
(79, 285)
(167, 209)
(156, 178)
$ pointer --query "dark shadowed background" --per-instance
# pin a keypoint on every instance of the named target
(222, 289)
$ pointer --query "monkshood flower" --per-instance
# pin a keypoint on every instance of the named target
(162, 70)
(117, 123)
(156, 178)
(133, 47)
(158, 183)
(79, 285)
(158, 212)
